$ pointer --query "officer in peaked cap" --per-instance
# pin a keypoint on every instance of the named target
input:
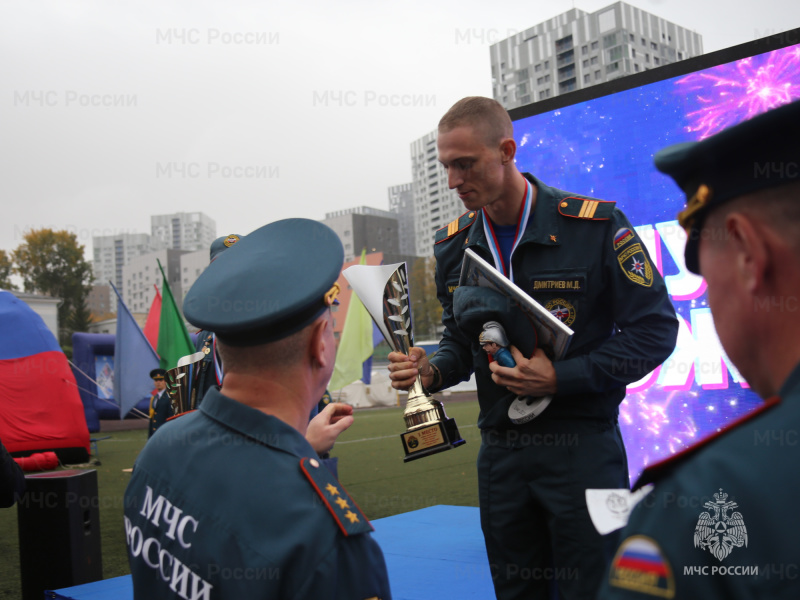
(722, 520)
(252, 494)
(160, 403)
(211, 367)
(219, 245)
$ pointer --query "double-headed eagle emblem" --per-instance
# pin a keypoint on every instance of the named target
(721, 533)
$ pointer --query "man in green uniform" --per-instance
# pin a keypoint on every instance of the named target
(722, 520)
(230, 500)
(583, 261)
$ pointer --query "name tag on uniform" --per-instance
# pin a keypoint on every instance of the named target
(565, 284)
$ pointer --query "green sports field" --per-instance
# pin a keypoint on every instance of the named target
(371, 468)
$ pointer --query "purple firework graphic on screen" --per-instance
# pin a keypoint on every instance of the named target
(737, 91)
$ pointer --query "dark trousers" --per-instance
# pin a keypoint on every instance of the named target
(532, 482)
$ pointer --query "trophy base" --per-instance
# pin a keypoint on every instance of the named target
(438, 437)
(527, 409)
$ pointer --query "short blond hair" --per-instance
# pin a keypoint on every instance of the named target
(484, 114)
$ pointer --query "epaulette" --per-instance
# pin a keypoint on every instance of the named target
(586, 208)
(452, 228)
(659, 469)
(345, 512)
(186, 412)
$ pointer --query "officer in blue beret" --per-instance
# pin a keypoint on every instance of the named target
(211, 367)
(722, 519)
(231, 501)
(160, 403)
(583, 261)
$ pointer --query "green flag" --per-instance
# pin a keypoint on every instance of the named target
(173, 338)
(356, 344)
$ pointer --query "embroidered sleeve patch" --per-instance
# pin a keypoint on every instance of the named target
(345, 512)
(634, 263)
(641, 566)
(622, 237)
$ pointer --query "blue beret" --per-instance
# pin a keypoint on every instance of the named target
(272, 283)
(757, 154)
(223, 243)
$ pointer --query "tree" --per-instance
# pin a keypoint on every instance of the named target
(6, 267)
(425, 308)
(52, 263)
(80, 318)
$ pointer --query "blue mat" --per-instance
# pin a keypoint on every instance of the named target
(435, 553)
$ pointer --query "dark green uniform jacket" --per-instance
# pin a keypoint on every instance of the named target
(583, 260)
(722, 521)
(228, 502)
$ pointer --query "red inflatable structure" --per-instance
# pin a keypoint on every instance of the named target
(39, 402)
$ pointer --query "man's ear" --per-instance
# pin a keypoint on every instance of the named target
(508, 150)
(752, 254)
(318, 342)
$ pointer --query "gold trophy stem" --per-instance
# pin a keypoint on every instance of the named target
(421, 408)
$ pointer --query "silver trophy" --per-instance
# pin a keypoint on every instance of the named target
(384, 292)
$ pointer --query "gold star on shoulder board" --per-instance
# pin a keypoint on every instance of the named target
(552, 238)
(345, 512)
(352, 517)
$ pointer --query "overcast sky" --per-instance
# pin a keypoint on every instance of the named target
(253, 111)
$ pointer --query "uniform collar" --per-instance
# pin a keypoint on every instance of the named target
(254, 424)
(791, 384)
(543, 223)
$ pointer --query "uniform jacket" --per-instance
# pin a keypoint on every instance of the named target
(220, 502)
(587, 266)
(694, 542)
(161, 410)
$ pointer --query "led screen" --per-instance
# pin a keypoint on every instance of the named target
(603, 147)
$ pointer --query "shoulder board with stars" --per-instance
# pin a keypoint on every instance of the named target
(586, 208)
(345, 512)
(657, 470)
(452, 228)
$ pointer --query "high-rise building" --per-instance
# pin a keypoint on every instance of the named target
(366, 227)
(435, 205)
(141, 275)
(112, 253)
(577, 49)
(192, 264)
(183, 231)
(401, 205)
(569, 52)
